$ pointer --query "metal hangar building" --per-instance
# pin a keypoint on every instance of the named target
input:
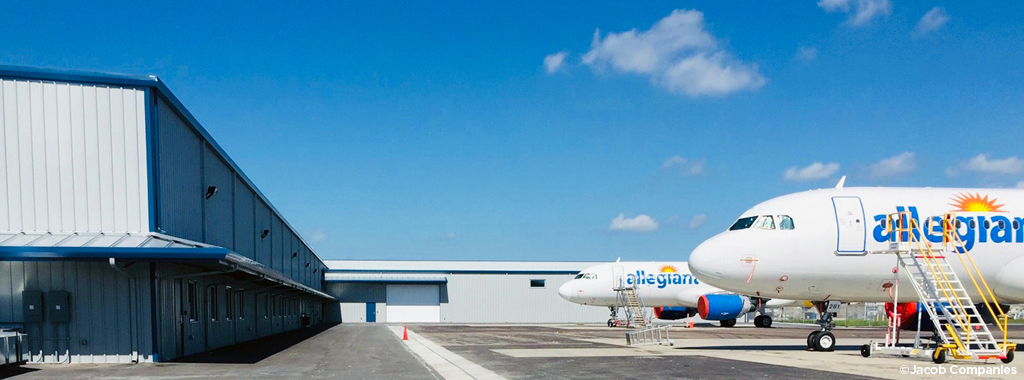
(456, 292)
(128, 235)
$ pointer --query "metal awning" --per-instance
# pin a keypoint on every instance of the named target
(137, 247)
(385, 278)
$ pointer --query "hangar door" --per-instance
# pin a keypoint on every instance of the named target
(413, 303)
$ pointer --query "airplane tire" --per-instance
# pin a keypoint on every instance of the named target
(1008, 358)
(758, 320)
(825, 341)
(727, 322)
(811, 338)
(767, 321)
(865, 350)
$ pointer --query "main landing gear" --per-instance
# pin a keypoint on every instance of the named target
(727, 322)
(824, 340)
(764, 321)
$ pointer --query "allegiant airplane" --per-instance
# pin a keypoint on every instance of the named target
(668, 287)
(817, 245)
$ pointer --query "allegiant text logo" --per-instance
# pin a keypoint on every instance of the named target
(660, 279)
(971, 230)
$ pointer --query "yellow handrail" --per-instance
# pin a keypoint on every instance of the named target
(906, 224)
(960, 311)
(947, 218)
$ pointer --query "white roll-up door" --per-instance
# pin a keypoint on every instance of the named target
(413, 303)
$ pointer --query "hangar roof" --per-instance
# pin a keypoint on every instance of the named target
(160, 88)
(137, 247)
(440, 266)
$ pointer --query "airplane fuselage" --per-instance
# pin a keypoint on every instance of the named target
(657, 284)
(825, 253)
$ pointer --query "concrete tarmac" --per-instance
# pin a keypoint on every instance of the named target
(376, 351)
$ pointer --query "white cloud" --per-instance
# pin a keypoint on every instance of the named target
(697, 221)
(318, 235)
(861, 12)
(554, 62)
(814, 171)
(1020, 185)
(807, 53)
(450, 235)
(932, 21)
(686, 167)
(899, 164)
(982, 164)
(678, 54)
(641, 223)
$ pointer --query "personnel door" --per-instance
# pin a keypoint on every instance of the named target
(850, 226)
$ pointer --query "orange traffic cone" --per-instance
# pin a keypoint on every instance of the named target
(405, 333)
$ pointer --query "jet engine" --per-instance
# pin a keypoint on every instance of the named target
(671, 313)
(720, 307)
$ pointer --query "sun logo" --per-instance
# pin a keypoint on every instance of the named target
(669, 269)
(975, 203)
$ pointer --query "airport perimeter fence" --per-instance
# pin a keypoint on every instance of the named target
(855, 314)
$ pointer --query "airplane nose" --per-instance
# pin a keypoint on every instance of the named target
(566, 291)
(705, 260)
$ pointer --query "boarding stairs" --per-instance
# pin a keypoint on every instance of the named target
(960, 329)
(633, 306)
(641, 333)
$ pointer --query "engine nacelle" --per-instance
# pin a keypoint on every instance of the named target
(720, 307)
(674, 312)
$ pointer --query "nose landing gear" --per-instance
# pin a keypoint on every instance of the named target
(823, 339)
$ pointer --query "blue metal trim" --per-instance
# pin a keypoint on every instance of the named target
(392, 281)
(151, 156)
(21, 253)
(77, 76)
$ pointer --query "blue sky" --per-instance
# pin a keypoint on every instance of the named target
(426, 131)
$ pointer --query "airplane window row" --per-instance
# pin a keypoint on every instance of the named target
(766, 222)
(586, 276)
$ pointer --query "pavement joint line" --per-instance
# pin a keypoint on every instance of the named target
(448, 364)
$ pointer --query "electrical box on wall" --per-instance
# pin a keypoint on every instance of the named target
(59, 306)
(32, 301)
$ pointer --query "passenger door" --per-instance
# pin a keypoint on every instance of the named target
(850, 226)
(618, 278)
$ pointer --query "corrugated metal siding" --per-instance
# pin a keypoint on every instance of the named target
(278, 244)
(245, 219)
(358, 292)
(109, 313)
(181, 188)
(263, 246)
(218, 223)
(472, 299)
(73, 158)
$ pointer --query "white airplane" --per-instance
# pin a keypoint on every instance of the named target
(668, 287)
(815, 245)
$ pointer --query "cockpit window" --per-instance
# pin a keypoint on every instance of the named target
(743, 223)
(586, 276)
(785, 222)
(766, 222)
